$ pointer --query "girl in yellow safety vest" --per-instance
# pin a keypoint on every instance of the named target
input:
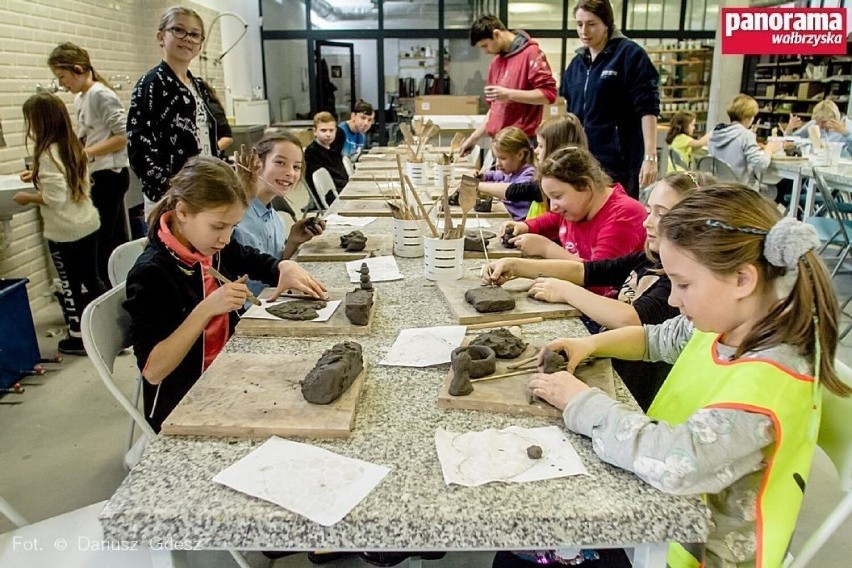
(736, 419)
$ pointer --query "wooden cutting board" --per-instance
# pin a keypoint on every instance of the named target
(337, 324)
(498, 210)
(525, 307)
(495, 250)
(368, 190)
(367, 174)
(362, 208)
(512, 394)
(326, 248)
(250, 395)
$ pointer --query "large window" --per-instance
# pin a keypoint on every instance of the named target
(535, 14)
(405, 14)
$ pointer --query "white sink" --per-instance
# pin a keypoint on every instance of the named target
(9, 185)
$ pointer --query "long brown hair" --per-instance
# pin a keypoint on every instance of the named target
(724, 247)
(680, 122)
(47, 123)
(576, 166)
(73, 58)
(562, 131)
(203, 183)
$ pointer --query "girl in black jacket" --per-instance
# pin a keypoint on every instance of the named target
(170, 120)
(180, 316)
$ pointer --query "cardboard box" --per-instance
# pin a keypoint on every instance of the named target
(558, 108)
(446, 104)
(807, 90)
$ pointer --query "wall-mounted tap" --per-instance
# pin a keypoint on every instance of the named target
(118, 81)
(52, 87)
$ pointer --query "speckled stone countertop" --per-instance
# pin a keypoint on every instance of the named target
(170, 494)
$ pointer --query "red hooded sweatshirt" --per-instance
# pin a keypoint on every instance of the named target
(523, 67)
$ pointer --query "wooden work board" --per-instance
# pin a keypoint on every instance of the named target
(337, 324)
(367, 174)
(495, 250)
(363, 208)
(250, 395)
(512, 394)
(369, 190)
(498, 210)
(326, 248)
(525, 307)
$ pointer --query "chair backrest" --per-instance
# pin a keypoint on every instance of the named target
(719, 168)
(123, 258)
(323, 183)
(487, 161)
(677, 160)
(105, 328)
(831, 205)
(835, 431)
(348, 165)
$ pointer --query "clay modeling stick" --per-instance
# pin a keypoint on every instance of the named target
(423, 211)
(218, 276)
(484, 244)
(505, 323)
(503, 376)
(402, 183)
(448, 219)
(522, 362)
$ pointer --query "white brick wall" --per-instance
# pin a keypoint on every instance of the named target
(119, 35)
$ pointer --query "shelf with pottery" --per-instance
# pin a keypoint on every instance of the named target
(688, 70)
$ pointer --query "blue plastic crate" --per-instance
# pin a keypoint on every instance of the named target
(18, 344)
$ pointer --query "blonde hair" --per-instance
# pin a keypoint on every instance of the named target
(512, 140)
(576, 166)
(68, 56)
(742, 107)
(203, 183)
(562, 131)
(322, 117)
(170, 15)
(826, 110)
(741, 219)
(684, 184)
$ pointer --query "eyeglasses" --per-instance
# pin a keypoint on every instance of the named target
(180, 33)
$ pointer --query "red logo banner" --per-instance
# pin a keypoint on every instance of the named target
(784, 31)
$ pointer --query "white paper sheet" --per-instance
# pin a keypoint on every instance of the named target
(477, 458)
(382, 269)
(424, 346)
(334, 220)
(259, 312)
(307, 480)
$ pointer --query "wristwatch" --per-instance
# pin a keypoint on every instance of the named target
(649, 158)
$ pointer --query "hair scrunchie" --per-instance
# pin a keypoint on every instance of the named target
(787, 241)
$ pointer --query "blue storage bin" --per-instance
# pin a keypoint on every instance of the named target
(19, 352)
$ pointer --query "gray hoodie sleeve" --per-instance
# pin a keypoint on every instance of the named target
(665, 341)
(755, 157)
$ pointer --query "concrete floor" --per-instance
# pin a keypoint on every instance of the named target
(62, 449)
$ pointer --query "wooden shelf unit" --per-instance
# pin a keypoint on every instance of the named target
(684, 82)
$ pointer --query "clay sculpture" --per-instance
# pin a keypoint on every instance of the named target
(553, 362)
(354, 241)
(334, 372)
(473, 241)
(486, 299)
(508, 235)
(534, 452)
(483, 204)
(453, 199)
(359, 301)
(502, 342)
(483, 362)
(460, 385)
(298, 310)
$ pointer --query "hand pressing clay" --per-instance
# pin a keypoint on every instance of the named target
(333, 374)
(297, 310)
(508, 235)
(502, 342)
(553, 362)
(483, 204)
(473, 242)
(485, 299)
(354, 241)
(483, 362)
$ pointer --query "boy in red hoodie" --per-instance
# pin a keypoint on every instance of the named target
(519, 80)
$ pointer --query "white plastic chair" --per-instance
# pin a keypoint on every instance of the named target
(835, 439)
(348, 165)
(323, 184)
(123, 258)
(105, 328)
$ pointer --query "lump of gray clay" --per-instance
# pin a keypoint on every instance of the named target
(354, 241)
(483, 204)
(358, 305)
(508, 235)
(534, 452)
(485, 299)
(473, 242)
(502, 342)
(553, 362)
(298, 310)
(333, 374)
(483, 362)
(461, 385)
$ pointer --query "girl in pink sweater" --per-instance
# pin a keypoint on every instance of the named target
(590, 218)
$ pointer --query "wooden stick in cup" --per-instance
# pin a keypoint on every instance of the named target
(423, 211)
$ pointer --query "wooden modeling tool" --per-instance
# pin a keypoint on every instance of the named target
(218, 276)
(420, 206)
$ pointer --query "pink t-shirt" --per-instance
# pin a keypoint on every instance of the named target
(615, 230)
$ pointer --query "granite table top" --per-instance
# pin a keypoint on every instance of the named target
(171, 495)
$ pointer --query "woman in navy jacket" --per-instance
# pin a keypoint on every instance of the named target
(613, 87)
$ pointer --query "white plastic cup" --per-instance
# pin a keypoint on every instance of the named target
(408, 238)
(835, 149)
(441, 172)
(416, 173)
(442, 258)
